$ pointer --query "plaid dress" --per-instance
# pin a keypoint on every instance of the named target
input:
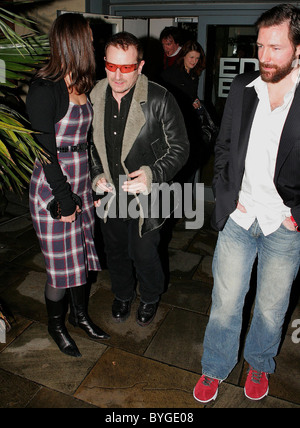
(68, 248)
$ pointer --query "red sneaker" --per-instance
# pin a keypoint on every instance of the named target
(257, 384)
(206, 389)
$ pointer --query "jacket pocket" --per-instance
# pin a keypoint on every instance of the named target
(159, 148)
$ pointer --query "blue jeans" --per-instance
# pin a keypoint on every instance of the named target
(278, 263)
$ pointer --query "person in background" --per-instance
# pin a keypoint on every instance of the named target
(170, 38)
(60, 112)
(139, 140)
(182, 79)
(257, 208)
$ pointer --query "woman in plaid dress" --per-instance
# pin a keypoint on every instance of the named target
(60, 111)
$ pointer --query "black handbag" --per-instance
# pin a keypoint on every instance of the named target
(209, 130)
(54, 206)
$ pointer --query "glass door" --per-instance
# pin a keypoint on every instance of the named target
(231, 50)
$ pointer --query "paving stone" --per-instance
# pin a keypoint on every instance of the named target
(35, 356)
(49, 399)
(120, 379)
(181, 239)
(182, 263)
(16, 391)
(190, 295)
(204, 270)
(179, 341)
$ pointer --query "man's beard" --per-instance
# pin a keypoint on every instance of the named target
(278, 73)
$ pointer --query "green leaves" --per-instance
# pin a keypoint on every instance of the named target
(19, 58)
(18, 150)
(19, 54)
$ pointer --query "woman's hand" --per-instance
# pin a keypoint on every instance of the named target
(71, 218)
(196, 104)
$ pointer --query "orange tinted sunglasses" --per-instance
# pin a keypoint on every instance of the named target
(128, 68)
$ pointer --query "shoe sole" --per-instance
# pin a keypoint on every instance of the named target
(256, 399)
(207, 401)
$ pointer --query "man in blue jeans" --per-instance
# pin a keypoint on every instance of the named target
(257, 210)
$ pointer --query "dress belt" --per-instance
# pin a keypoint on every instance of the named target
(81, 147)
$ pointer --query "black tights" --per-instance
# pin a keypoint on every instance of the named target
(54, 294)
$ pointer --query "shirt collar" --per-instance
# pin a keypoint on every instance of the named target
(259, 85)
(176, 52)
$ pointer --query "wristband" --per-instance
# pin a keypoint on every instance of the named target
(294, 223)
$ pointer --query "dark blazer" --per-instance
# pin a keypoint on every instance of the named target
(231, 149)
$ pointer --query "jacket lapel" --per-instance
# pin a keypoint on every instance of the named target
(136, 118)
(250, 102)
(98, 96)
(290, 133)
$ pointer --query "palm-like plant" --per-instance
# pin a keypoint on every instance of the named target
(19, 56)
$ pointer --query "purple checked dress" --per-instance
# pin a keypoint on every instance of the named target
(68, 248)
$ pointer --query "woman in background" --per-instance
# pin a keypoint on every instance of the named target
(182, 79)
(60, 111)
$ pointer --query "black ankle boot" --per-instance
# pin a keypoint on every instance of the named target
(57, 328)
(79, 316)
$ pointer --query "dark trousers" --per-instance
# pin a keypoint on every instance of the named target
(129, 257)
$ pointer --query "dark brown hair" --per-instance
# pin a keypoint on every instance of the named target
(280, 14)
(190, 46)
(124, 40)
(173, 32)
(72, 52)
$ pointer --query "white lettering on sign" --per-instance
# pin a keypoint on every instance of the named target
(231, 67)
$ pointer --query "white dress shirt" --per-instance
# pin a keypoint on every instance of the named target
(258, 193)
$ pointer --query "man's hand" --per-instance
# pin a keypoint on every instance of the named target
(288, 224)
(103, 185)
(138, 184)
(241, 208)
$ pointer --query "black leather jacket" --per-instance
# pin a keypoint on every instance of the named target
(155, 139)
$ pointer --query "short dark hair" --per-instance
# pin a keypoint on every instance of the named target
(124, 40)
(280, 14)
(174, 32)
(71, 52)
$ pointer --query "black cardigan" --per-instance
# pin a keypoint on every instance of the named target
(47, 103)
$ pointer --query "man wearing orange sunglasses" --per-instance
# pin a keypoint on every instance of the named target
(139, 139)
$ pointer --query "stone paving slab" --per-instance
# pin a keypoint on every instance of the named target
(16, 391)
(48, 398)
(179, 340)
(123, 380)
(35, 356)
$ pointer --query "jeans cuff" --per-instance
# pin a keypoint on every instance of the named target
(214, 377)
